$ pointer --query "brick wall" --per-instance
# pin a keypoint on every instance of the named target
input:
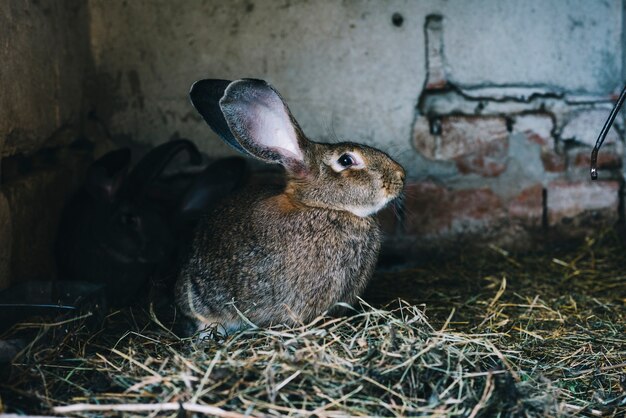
(488, 160)
(520, 158)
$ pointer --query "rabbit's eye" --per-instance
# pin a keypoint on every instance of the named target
(346, 160)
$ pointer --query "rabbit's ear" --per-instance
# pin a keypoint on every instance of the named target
(205, 96)
(155, 161)
(106, 175)
(262, 124)
(217, 181)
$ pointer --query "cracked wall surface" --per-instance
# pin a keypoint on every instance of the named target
(345, 69)
(491, 105)
(523, 151)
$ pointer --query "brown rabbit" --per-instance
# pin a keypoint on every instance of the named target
(283, 255)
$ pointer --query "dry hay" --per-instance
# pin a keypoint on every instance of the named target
(481, 335)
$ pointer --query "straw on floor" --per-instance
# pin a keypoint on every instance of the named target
(488, 334)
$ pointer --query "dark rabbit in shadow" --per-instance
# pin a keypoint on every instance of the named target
(270, 255)
(124, 226)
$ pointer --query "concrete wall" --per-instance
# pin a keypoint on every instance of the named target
(45, 60)
(344, 68)
(44, 51)
(491, 109)
(491, 115)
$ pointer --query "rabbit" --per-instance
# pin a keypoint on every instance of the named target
(109, 233)
(217, 181)
(113, 232)
(282, 255)
(202, 191)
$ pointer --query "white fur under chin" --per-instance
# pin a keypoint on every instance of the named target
(365, 211)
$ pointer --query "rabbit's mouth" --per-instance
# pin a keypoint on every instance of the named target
(389, 191)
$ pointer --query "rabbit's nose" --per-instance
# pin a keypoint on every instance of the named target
(400, 175)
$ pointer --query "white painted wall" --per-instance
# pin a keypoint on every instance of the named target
(344, 68)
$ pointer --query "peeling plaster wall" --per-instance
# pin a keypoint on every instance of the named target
(491, 109)
(479, 160)
(344, 68)
(569, 44)
(339, 65)
(521, 153)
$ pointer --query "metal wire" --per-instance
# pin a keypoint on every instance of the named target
(604, 132)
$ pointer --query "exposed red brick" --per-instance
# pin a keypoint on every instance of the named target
(433, 210)
(436, 71)
(553, 162)
(527, 206)
(423, 208)
(465, 135)
(489, 161)
(567, 200)
(537, 139)
(475, 203)
(607, 159)
(478, 144)
(435, 84)
(537, 127)
(425, 143)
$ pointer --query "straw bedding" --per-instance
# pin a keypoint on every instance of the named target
(481, 334)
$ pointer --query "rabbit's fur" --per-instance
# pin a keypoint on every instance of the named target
(286, 255)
